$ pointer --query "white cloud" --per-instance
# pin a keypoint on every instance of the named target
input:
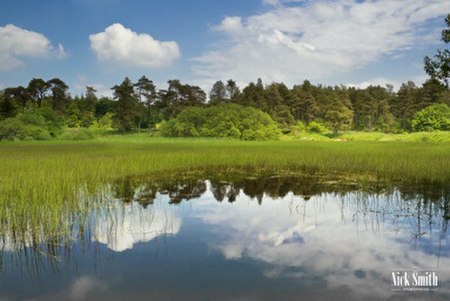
(379, 81)
(316, 38)
(382, 81)
(123, 46)
(124, 226)
(17, 43)
(231, 25)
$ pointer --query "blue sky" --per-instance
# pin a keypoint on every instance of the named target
(99, 42)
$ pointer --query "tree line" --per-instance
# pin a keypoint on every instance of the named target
(141, 105)
(138, 105)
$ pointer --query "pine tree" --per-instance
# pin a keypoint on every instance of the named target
(127, 106)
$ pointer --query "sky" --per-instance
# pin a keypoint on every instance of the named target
(100, 42)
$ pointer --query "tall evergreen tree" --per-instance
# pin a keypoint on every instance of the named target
(59, 91)
(339, 115)
(38, 89)
(218, 93)
(178, 96)
(405, 104)
(432, 92)
(146, 91)
(272, 97)
(127, 106)
(233, 91)
(87, 105)
(365, 109)
(303, 105)
(253, 95)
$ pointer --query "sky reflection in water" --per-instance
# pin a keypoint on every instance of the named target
(326, 246)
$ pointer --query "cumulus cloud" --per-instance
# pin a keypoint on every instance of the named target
(382, 81)
(231, 25)
(295, 39)
(123, 46)
(17, 43)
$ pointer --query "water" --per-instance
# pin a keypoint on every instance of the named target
(253, 239)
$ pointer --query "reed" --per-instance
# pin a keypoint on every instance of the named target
(46, 186)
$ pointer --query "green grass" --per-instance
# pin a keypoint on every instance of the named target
(436, 136)
(42, 183)
(413, 137)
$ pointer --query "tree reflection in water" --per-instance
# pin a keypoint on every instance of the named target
(295, 225)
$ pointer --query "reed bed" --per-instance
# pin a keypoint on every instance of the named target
(46, 186)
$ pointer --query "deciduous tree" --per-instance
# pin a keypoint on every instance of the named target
(439, 66)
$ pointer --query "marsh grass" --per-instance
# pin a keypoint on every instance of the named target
(436, 136)
(46, 188)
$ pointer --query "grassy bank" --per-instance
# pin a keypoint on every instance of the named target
(437, 136)
(55, 169)
(41, 183)
(107, 157)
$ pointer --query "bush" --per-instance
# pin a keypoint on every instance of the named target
(225, 120)
(14, 129)
(105, 122)
(432, 118)
(317, 127)
(78, 134)
(33, 125)
(54, 122)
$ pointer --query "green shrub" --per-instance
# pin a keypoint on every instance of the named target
(32, 125)
(105, 122)
(78, 134)
(225, 120)
(16, 129)
(317, 127)
(297, 129)
(300, 126)
(432, 118)
(38, 124)
(54, 122)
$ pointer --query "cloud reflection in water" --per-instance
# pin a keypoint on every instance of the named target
(125, 225)
(350, 240)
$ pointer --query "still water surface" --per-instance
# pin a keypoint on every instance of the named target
(255, 239)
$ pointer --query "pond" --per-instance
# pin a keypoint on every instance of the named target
(271, 238)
